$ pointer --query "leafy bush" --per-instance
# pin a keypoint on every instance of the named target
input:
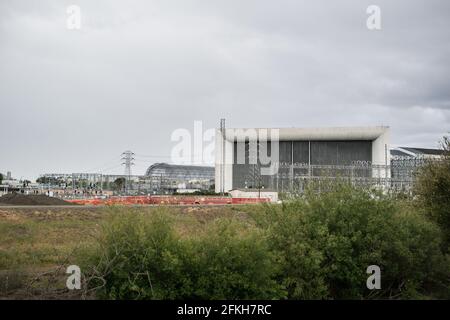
(433, 191)
(314, 247)
(325, 242)
(143, 258)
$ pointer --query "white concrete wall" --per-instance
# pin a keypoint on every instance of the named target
(228, 165)
(379, 135)
(272, 195)
(381, 154)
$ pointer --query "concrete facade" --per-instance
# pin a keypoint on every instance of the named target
(239, 152)
(272, 195)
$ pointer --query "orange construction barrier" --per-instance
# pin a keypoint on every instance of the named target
(167, 200)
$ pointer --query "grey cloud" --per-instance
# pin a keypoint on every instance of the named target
(137, 70)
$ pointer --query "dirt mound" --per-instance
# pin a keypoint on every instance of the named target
(16, 199)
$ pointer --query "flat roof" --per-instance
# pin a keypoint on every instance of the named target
(324, 133)
(424, 151)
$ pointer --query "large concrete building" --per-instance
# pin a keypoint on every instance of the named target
(271, 158)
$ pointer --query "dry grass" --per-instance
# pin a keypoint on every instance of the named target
(37, 244)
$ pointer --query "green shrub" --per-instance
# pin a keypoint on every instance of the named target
(235, 263)
(317, 246)
(141, 257)
(325, 242)
(432, 189)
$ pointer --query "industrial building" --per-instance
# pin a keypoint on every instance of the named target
(406, 163)
(169, 178)
(408, 152)
(8, 184)
(160, 178)
(281, 158)
(83, 180)
(266, 160)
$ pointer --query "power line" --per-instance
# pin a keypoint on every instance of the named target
(110, 168)
(106, 165)
(151, 156)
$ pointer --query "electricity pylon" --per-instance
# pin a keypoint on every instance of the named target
(128, 161)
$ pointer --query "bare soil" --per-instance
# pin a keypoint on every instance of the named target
(17, 199)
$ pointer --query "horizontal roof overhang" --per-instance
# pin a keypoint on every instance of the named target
(317, 134)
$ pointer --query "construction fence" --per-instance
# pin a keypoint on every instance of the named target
(399, 176)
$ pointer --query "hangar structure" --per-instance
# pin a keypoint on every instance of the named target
(168, 178)
(282, 158)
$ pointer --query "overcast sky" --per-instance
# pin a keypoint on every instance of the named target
(74, 100)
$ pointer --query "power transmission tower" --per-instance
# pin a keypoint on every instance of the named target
(128, 161)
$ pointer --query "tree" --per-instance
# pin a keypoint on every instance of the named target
(43, 180)
(1, 178)
(433, 190)
(119, 184)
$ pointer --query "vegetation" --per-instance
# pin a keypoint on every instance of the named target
(119, 184)
(315, 247)
(50, 180)
(325, 242)
(142, 257)
(433, 191)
